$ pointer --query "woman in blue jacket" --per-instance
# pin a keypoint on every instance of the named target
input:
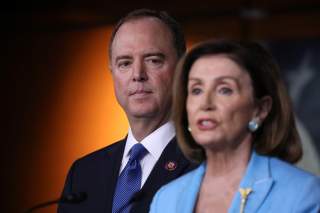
(233, 115)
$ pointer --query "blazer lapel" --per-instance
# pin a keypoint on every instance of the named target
(259, 180)
(189, 195)
(110, 171)
(170, 165)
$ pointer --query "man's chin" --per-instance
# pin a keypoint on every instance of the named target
(143, 115)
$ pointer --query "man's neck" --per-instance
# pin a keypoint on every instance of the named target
(142, 127)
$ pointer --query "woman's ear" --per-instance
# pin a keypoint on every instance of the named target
(264, 106)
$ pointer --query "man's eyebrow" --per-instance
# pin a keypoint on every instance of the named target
(157, 54)
(122, 57)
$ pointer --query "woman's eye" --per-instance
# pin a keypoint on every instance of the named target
(195, 91)
(225, 91)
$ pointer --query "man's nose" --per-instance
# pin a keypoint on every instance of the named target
(139, 72)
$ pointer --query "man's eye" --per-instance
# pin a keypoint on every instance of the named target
(154, 61)
(225, 91)
(124, 64)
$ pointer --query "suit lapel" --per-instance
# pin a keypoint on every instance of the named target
(160, 174)
(257, 178)
(110, 171)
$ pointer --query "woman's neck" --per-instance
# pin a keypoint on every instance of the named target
(229, 162)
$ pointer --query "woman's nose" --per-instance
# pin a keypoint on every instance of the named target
(207, 101)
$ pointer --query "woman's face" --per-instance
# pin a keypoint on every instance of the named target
(220, 102)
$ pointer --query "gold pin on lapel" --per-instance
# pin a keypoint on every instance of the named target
(244, 192)
(171, 165)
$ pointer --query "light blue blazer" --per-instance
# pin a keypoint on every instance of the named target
(276, 187)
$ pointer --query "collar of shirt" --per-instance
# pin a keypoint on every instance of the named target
(155, 143)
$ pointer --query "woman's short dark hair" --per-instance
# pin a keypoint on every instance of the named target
(179, 42)
(277, 135)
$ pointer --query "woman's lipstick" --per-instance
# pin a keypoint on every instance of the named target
(206, 124)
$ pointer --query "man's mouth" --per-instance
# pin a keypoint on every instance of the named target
(140, 93)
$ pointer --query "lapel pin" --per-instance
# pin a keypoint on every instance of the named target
(171, 165)
(244, 192)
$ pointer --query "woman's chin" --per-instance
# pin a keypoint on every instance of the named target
(211, 144)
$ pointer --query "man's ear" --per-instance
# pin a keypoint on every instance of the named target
(264, 106)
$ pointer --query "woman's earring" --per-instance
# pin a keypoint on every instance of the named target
(189, 128)
(253, 125)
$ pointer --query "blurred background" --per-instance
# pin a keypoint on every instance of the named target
(58, 94)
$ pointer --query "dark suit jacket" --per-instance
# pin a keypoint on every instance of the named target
(97, 174)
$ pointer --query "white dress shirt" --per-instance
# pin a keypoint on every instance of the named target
(155, 143)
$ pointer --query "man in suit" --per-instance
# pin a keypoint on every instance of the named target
(144, 49)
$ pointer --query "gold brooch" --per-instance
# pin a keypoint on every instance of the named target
(244, 197)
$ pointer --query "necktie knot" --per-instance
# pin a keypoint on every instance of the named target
(137, 152)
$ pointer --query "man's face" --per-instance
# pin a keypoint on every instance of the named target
(143, 61)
